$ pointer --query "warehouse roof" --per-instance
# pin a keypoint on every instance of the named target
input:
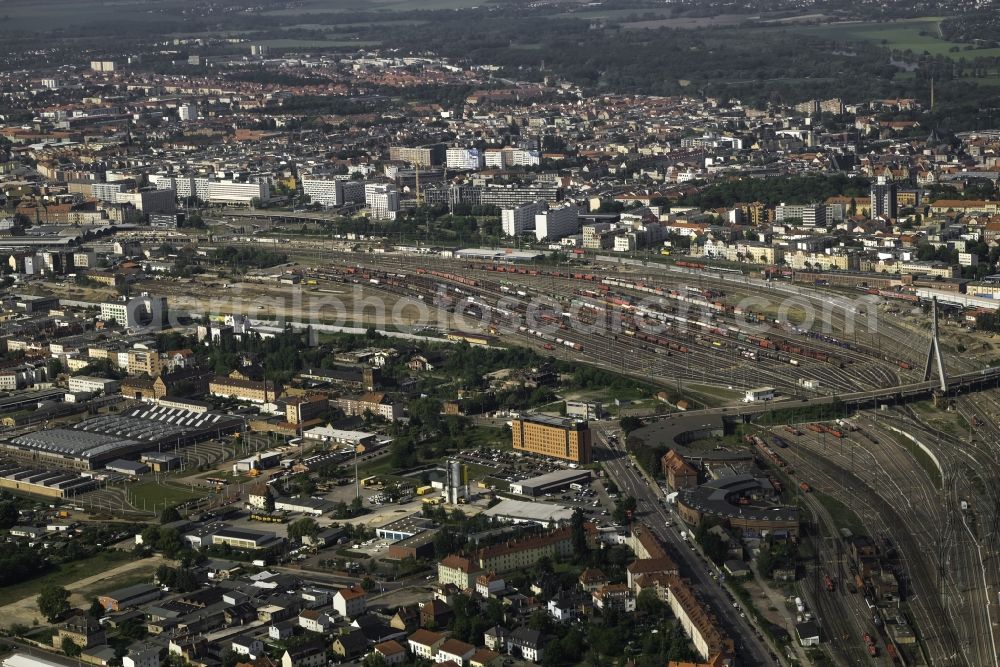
(544, 513)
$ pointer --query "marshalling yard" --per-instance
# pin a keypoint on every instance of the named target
(920, 480)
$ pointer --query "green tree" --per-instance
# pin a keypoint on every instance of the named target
(629, 424)
(53, 602)
(268, 501)
(8, 514)
(305, 526)
(70, 647)
(169, 515)
(96, 609)
(579, 534)
(648, 604)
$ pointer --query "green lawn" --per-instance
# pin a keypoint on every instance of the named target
(377, 466)
(158, 493)
(314, 43)
(842, 515)
(64, 574)
(902, 35)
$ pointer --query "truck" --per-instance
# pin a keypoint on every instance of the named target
(827, 583)
(684, 535)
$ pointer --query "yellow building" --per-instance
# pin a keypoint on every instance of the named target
(243, 390)
(561, 438)
(144, 361)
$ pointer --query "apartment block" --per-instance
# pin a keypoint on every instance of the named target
(561, 438)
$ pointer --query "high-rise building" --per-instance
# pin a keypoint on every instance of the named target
(107, 191)
(335, 191)
(883, 198)
(556, 223)
(465, 159)
(144, 311)
(810, 215)
(382, 200)
(187, 112)
(421, 156)
(558, 437)
(233, 192)
(520, 219)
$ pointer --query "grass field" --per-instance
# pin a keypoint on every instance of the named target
(842, 515)
(151, 494)
(901, 35)
(328, 6)
(63, 575)
(314, 43)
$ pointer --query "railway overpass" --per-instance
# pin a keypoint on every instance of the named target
(972, 381)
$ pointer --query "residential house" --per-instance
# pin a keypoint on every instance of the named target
(562, 607)
(147, 656)
(309, 654)
(614, 596)
(485, 658)
(458, 570)
(406, 619)
(248, 646)
(592, 579)
(488, 585)
(527, 644)
(497, 638)
(349, 602)
(641, 566)
(350, 645)
(455, 651)
(84, 631)
(435, 613)
(391, 652)
(425, 643)
(314, 620)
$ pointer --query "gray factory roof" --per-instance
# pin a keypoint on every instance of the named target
(553, 478)
(713, 498)
(73, 442)
(544, 513)
(106, 434)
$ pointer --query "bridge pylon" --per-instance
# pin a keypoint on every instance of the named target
(934, 360)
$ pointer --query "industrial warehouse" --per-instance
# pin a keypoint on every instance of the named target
(49, 483)
(94, 443)
(745, 503)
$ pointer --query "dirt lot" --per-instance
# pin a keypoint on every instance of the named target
(82, 591)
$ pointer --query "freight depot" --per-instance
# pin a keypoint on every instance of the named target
(745, 503)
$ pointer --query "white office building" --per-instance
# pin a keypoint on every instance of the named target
(382, 200)
(333, 191)
(465, 159)
(107, 191)
(233, 192)
(149, 201)
(520, 219)
(183, 186)
(557, 223)
(186, 112)
(141, 311)
(501, 158)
